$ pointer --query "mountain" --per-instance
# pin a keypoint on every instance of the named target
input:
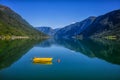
(45, 29)
(104, 25)
(12, 24)
(48, 30)
(74, 29)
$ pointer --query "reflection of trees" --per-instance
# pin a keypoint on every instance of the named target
(106, 50)
(75, 45)
(45, 43)
(11, 51)
(109, 51)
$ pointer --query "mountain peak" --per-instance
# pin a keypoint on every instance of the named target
(2, 8)
(92, 17)
(48, 30)
(47, 27)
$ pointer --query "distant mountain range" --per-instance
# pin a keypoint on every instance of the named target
(104, 26)
(12, 24)
(47, 30)
(75, 29)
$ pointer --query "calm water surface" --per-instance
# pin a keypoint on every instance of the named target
(72, 60)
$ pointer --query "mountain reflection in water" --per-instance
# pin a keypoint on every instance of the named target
(106, 50)
(72, 60)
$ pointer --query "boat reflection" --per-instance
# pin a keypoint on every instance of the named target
(43, 62)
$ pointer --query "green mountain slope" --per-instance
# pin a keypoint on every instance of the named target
(12, 24)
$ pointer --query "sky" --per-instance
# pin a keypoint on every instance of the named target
(59, 13)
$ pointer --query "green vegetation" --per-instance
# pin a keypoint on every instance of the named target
(111, 37)
(12, 50)
(8, 37)
(11, 24)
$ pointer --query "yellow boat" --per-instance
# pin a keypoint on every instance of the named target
(42, 59)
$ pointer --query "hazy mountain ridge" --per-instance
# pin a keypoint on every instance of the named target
(47, 30)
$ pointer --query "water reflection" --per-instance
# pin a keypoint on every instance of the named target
(44, 62)
(106, 50)
(72, 60)
(12, 50)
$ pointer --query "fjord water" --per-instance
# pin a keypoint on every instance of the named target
(72, 60)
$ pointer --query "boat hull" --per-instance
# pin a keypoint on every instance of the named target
(42, 59)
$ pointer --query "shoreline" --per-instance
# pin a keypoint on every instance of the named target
(20, 37)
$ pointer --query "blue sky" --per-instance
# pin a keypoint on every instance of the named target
(59, 13)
